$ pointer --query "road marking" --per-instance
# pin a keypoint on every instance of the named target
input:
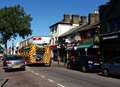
(36, 74)
(42, 76)
(60, 85)
(50, 80)
(28, 69)
(32, 71)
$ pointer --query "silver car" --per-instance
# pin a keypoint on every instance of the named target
(112, 67)
(13, 62)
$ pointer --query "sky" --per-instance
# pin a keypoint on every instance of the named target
(47, 12)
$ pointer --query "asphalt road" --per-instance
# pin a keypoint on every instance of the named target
(56, 76)
(18, 78)
(72, 78)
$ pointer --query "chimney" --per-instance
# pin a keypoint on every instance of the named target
(76, 19)
(83, 20)
(93, 17)
(67, 18)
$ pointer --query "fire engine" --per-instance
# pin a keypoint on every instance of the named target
(36, 53)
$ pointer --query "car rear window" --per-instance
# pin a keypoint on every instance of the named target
(14, 58)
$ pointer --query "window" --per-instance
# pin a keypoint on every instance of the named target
(117, 60)
(14, 58)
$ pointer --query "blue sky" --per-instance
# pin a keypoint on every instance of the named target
(48, 12)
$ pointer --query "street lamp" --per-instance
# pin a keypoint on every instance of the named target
(12, 47)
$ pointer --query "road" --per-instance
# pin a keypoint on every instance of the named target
(56, 76)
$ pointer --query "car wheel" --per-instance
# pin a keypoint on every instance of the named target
(23, 69)
(84, 69)
(6, 70)
(105, 72)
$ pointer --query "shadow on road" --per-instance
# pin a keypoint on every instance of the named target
(36, 65)
(110, 76)
(14, 70)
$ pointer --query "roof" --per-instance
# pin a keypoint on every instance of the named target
(109, 33)
(90, 26)
(79, 28)
(60, 23)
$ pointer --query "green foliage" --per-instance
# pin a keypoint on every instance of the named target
(14, 21)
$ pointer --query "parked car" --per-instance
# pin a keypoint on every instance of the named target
(13, 62)
(112, 68)
(85, 63)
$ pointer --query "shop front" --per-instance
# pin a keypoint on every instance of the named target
(110, 46)
(54, 52)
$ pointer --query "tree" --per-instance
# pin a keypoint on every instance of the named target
(14, 21)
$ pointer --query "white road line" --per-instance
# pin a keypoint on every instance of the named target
(32, 71)
(28, 69)
(50, 80)
(60, 85)
(36, 74)
(42, 76)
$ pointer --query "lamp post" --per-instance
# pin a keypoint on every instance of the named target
(12, 47)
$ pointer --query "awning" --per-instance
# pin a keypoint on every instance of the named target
(85, 46)
(53, 46)
(86, 43)
(1, 49)
(26, 49)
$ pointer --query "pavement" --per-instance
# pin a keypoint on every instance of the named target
(1, 63)
(2, 79)
(60, 64)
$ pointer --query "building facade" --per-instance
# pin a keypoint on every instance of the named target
(83, 38)
(110, 29)
(67, 23)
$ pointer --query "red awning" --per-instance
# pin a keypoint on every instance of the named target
(53, 46)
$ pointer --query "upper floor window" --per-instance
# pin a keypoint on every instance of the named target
(114, 25)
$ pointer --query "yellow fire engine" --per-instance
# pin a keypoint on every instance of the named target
(36, 54)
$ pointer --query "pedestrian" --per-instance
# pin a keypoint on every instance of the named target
(58, 59)
(51, 56)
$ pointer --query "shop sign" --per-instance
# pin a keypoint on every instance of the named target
(36, 38)
(97, 39)
(110, 37)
